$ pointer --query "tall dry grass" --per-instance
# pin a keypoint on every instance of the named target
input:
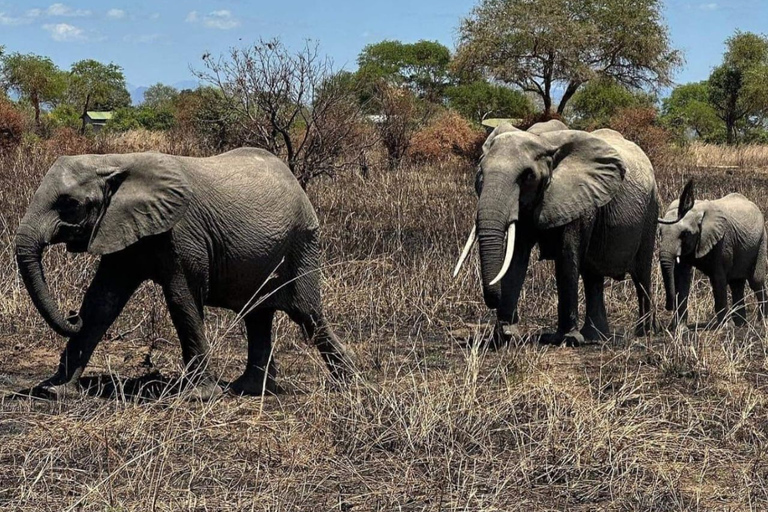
(675, 422)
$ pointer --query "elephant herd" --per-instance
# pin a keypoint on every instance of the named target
(237, 231)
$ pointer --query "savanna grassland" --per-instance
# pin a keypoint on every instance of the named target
(673, 422)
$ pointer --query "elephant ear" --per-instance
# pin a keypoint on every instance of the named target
(504, 127)
(144, 195)
(713, 224)
(587, 173)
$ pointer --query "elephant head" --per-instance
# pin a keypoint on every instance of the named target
(688, 228)
(541, 179)
(99, 204)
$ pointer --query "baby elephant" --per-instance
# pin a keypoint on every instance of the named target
(725, 239)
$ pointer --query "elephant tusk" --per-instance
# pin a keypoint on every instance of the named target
(677, 260)
(470, 242)
(507, 254)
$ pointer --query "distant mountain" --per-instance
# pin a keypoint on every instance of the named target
(137, 92)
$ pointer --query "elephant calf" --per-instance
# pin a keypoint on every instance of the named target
(209, 231)
(725, 239)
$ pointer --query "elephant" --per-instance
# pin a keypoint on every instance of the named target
(234, 231)
(726, 240)
(590, 202)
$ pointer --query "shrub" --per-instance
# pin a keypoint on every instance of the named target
(449, 135)
(11, 126)
(641, 126)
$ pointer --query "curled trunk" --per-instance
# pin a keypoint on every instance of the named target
(29, 254)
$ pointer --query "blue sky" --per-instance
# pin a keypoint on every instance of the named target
(158, 41)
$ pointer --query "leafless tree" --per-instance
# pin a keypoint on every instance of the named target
(292, 104)
(401, 115)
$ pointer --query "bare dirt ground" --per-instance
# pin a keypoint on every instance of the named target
(672, 422)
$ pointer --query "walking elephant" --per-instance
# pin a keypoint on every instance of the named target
(209, 231)
(726, 240)
(589, 200)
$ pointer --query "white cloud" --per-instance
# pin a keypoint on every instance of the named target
(712, 6)
(222, 20)
(65, 10)
(154, 16)
(116, 14)
(64, 32)
(34, 13)
(10, 20)
(141, 38)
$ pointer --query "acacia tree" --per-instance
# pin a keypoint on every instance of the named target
(738, 88)
(292, 104)
(36, 79)
(96, 85)
(546, 46)
(687, 110)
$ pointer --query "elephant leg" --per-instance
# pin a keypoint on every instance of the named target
(315, 328)
(720, 293)
(758, 287)
(567, 278)
(739, 309)
(112, 286)
(260, 370)
(596, 321)
(646, 318)
(683, 278)
(186, 310)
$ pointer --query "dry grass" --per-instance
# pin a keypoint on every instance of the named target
(748, 156)
(669, 423)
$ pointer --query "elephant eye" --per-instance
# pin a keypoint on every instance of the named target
(70, 209)
(479, 182)
(528, 175)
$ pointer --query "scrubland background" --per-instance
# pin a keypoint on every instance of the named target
(661, 423)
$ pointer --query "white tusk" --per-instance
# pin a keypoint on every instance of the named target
(470, 242)
(507, 254)
(677, 260)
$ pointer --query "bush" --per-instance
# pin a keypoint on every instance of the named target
(641, 126)
(11, 126)
(449, 135)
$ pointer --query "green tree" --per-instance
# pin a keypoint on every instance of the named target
(421, 66)
(548, 45)
(36, 79)
(738, 89)
(93, 85)
(479, 99)
(687, 110)
(599, 100)
(160, 96)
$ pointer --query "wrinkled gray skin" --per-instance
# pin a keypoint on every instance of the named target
(588, 199)
(726, 240)
(209, 231)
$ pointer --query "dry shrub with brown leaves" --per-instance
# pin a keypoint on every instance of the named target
(447, 136)
(11, 126)
(640, 126)
(676, 421)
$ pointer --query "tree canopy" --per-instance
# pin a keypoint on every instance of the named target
(687, 111)
(93, 85)
(599, 100)
(34, 78)
(738, 88)
(548, 45)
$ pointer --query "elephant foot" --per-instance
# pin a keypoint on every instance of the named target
(57, 388)
(592, 333)
(203, 388)
(570, 339)
(253, 384)
(503, 334)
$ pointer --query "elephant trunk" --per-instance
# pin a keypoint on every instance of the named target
(493, 220)
(30, 243)
(667, 260)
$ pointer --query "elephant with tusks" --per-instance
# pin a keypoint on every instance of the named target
(590, 202)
